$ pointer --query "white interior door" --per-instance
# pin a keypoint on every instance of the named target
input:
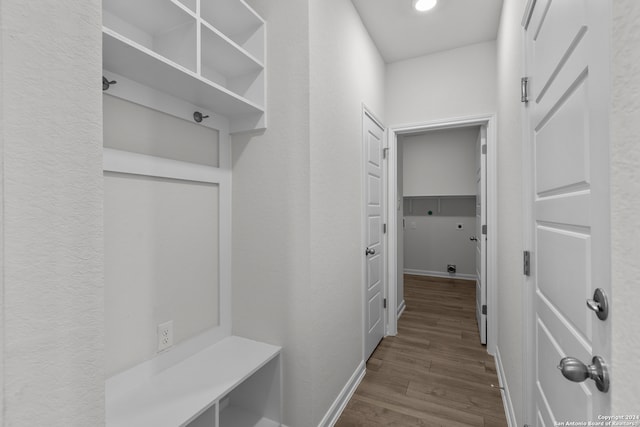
(567, 62)
(481, 238)
(374, 251)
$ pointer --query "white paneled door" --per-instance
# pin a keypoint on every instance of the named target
(567, 63)
(374, 251)
(480, 237)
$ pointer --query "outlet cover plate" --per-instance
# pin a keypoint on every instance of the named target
(165, 335)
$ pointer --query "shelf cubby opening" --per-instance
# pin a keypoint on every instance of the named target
(255, 402)
(238, 22)
(226, 65)
(222, 54)
(250, 86)
(169, 31)
(207, 418)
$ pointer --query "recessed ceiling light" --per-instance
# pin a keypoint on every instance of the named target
(424, 5)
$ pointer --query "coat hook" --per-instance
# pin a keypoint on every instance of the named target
(106, 83)
(197, 116)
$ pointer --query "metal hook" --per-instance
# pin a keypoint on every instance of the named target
(197, 116)
(106, 83)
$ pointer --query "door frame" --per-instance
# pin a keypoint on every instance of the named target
(367, 112)
(490, 121)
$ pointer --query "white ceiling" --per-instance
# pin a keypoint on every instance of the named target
(401, 33)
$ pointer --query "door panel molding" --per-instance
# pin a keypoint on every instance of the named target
(566, 204)
(374, 269)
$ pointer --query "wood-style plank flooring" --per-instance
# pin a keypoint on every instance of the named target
(434, 372)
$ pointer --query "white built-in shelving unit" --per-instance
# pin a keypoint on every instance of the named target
(208, 53)
(182, 57)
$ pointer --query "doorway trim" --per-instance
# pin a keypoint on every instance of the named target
(490, 121)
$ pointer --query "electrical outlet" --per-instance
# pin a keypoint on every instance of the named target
(165, 335)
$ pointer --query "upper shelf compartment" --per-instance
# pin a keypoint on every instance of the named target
(238, 22)
(160, 26)
(166, 45)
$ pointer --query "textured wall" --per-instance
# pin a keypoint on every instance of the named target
(510, 208)
(346, 70)
(625, 205)
(297, 260)
(271, 209)
(433, 242)
(161, 251)
(440, 163)
(52, 297)
(453, 83)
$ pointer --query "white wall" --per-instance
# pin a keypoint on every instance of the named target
(346, 71)
(432, 242)
(625, 205)
(510, 203)
(161, 256)
(440, 163)
(297, 277)
(132, 127)
(271, 244)
(51, 296)
(448, 84)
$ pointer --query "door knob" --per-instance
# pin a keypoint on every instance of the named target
(473, 238)
(599, 304)
(576, 371)
(369, 251)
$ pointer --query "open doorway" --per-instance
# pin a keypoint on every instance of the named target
(448, 233)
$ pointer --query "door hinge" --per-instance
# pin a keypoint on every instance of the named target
(484, 228)
(384, 228)
(526, 263)
(524, 89)
(484, 149)
(484, 309)
(385, 152)
(384, 303)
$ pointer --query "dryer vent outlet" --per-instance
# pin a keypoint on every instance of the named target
(451, 268)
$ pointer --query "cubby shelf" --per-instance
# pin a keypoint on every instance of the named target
(244, 373)
(166, 45)
(236, 417)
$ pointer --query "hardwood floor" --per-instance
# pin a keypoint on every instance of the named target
(434, 372)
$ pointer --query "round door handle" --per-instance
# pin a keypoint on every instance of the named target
(576, 371)
(369, 251)
(473, 238)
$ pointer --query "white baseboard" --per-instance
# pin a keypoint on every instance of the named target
(506, 396)
(401, 308)
(440, 274)
(335, 410)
